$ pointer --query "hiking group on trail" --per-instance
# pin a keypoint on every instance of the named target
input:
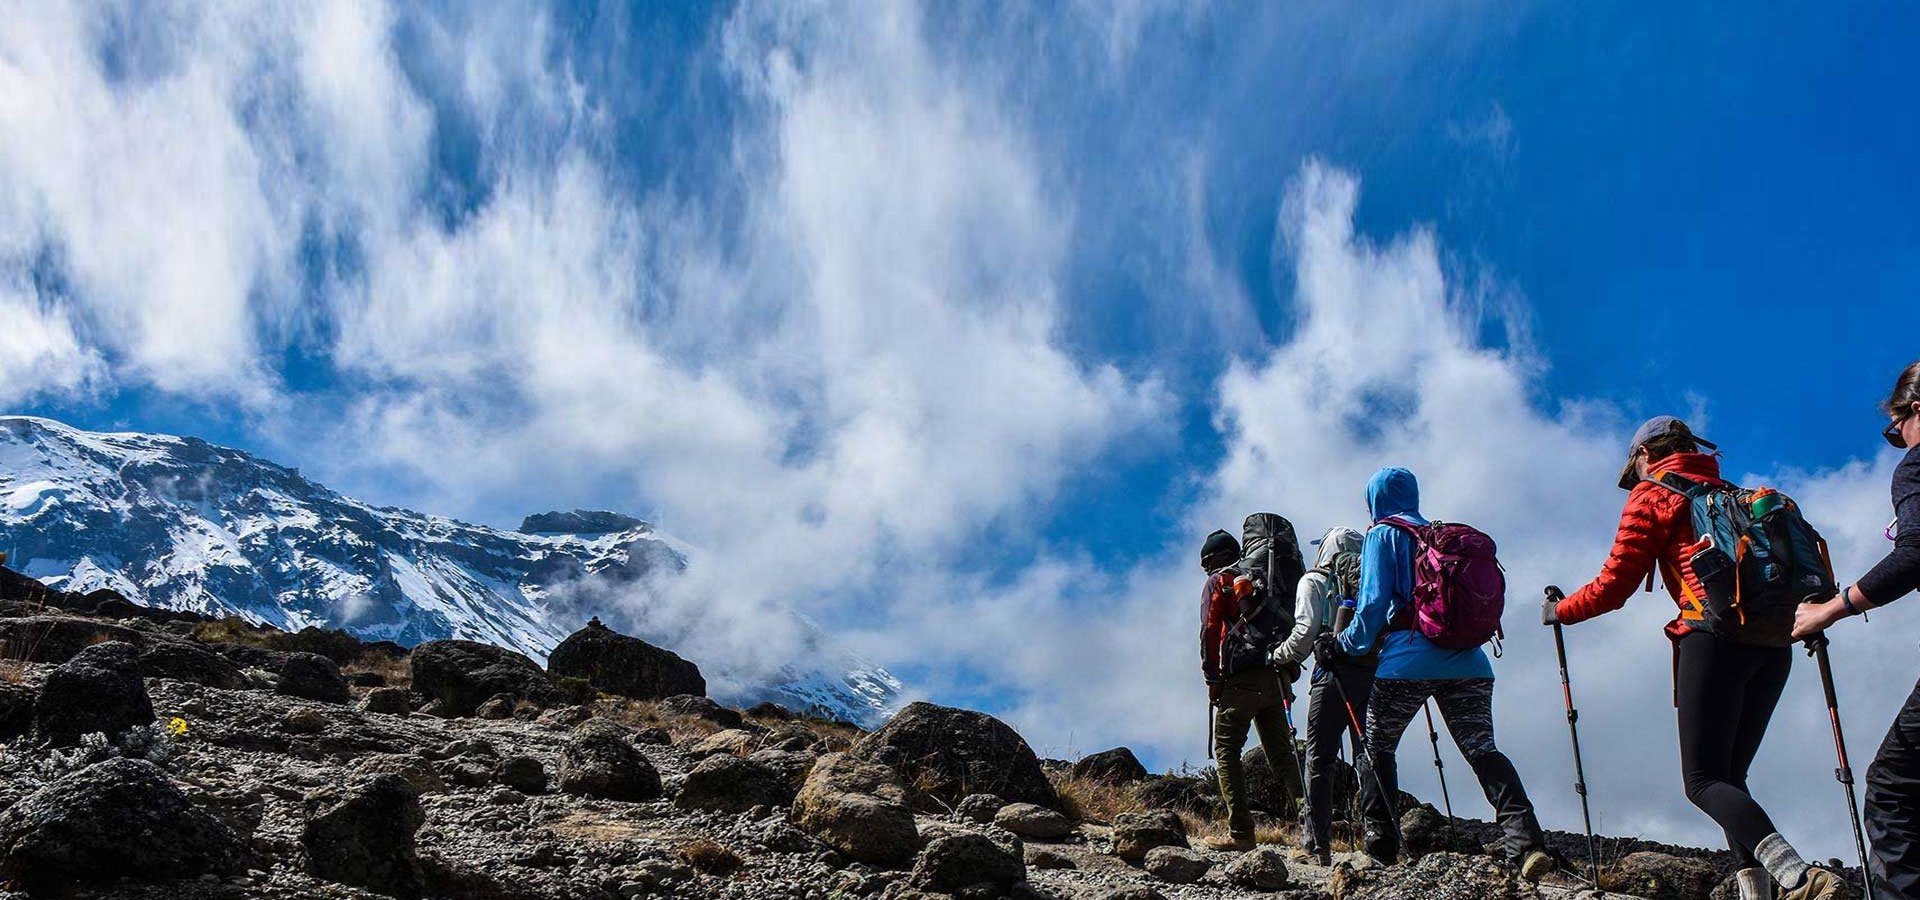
(1397, 618)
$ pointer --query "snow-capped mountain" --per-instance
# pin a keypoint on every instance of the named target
(180, 523)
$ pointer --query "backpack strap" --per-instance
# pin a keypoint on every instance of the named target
(1404, 621)
(1679, 484)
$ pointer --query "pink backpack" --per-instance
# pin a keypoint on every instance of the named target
(1459, 589)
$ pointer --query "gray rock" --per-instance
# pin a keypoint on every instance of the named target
(461, 675)
(731, 784)
(618, 664)
(365, 837)
(696, 706)
(979, 808)
(522, 773)
(1260, 869)
(1658, 876)
(303, 720)
(563, 717)
(182, 661)
(1134, 834)
(950, 753)
(97, 690)
(1116, 766)
(952, 863)
(1176, 865)
(392, 701)
(600, 761)
(1028, 820)
(415, 770)
(792, 765)
(120, 818)
(859, 809)
(1043, 858)
(496, 707)
(311, 676)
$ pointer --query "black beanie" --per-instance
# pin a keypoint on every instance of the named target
(1220, 551)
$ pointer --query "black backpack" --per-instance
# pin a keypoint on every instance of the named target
(1757, 557)
(1271, 557)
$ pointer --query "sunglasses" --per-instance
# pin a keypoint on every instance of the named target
(1893, 435)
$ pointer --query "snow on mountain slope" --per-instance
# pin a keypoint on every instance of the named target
(177, 522)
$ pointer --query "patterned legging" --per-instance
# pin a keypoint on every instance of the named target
(1467, 706)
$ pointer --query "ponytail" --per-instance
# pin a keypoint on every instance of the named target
(1906, 391)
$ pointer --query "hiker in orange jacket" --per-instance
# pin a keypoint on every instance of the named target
(1724, 691)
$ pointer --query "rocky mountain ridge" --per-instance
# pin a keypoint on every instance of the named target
(179, 523)
(159, 754)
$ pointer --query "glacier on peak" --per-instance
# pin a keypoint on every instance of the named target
(181, 523)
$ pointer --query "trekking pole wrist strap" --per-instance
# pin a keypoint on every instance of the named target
(1846, 600)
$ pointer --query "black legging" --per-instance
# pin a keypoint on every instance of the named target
(1725, 693)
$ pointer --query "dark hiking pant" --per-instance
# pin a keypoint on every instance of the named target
(1327, 721)
(1725, 693)
(1893, 807)
(1467, 706)
(1253, 698)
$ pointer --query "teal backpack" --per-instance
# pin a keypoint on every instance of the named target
(1757, 557)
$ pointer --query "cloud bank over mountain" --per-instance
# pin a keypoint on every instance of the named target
(827, 296)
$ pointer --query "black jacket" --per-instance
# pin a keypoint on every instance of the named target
(1899, 572)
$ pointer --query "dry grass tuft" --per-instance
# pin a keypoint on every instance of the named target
(394, 669)
(1089, 800)
(710, 857)
(647, 714)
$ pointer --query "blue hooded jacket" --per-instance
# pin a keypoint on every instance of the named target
(1386, 589)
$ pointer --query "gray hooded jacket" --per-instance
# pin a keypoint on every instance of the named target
(1314, 600)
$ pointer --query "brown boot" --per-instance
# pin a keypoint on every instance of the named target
(1229, 844)
(1535, 865)
(1819, 884)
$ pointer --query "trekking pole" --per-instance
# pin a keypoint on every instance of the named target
(1210, 717)
(1360, 739)
(1573, 730)
(1438, 766)
(1293, 743)
(1817, 648)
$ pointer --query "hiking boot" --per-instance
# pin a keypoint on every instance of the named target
(1819, 884)
(1534, 865)
(1299, 854)
(1229, 844)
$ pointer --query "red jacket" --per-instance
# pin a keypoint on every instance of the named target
(1219, 607)
(1656, 531)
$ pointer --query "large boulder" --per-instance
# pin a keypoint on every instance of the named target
(364, 837)
(1116, 766)
(1136, 834)
(56, 639)
(601, 761)
(859, 809)
(99, 689)
(311, 676)
(181, 661)
(951, 753)
(730, 784)
(618, 664)
(120, 818)
(16, 709)
(1272, 790)
(1659, 876)
(461, 675)
(959, 861)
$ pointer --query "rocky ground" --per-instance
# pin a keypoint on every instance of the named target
(151, 755)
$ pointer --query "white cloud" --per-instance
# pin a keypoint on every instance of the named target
(39, 353)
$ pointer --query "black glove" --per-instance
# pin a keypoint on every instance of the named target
(1326, 650)
(1550, 610)
(1289, 672)
(1213, 692)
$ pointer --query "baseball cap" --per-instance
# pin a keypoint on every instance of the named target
(1657, 426)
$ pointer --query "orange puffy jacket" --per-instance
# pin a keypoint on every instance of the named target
(1656, 530)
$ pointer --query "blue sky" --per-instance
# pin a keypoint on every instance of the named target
(1006, 304)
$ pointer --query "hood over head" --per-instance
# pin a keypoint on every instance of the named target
(1337, 539)
(1392, 491)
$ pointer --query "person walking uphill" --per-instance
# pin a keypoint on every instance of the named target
(1243, 688)
(1412, 669)
(1893, 780)
(1334, 579)
(1724, 689)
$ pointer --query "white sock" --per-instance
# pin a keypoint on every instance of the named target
(1754, 883)
(1781, 860)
